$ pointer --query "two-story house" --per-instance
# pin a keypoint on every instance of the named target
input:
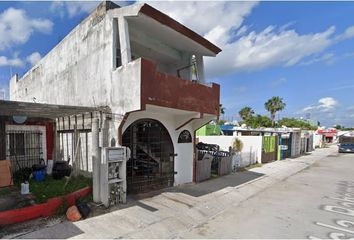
(148, 69)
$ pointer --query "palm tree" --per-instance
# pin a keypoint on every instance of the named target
(246, 113)
(221, 109)
(274, 105)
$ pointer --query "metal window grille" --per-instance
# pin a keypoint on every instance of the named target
(24, 148)
(151, 165)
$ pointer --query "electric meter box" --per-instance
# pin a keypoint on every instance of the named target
(113, 182)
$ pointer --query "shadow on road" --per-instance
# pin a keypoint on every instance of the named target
(216, 184)
(206, 187)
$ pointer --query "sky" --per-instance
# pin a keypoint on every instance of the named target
(300, 51)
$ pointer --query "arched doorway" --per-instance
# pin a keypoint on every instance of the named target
(151, 165)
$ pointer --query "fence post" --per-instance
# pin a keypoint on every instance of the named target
(96, 160)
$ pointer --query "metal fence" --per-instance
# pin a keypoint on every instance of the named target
(211, 162)
(68, 144)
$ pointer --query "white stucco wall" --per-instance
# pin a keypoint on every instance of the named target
(317, 140)
(81, 71)
(183, 162)
(75, 72)
(252, 146)
(295, 144)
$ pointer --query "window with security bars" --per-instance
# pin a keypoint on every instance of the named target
(24, 148)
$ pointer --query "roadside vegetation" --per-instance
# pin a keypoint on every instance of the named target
(273, 105)
(342, 128)
(51, 187)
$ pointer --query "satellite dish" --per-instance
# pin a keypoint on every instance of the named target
(19, 119)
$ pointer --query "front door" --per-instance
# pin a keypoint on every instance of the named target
(151, 165)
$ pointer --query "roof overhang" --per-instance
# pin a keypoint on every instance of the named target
(40, 110)
(166, 29)
(178, 27)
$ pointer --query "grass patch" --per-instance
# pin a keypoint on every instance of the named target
(7, 190)
(50, 187)
(243, 169)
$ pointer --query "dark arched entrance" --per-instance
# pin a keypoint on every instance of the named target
(151, 165)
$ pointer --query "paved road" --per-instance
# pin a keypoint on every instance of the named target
(294, 198)
(315, 203)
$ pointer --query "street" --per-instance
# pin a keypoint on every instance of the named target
(307, 205)
(306, 197)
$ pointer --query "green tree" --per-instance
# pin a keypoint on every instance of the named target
(246, 113)
(221, 109)
(221, 112)
(338, 126)
(258, 121)
(274, 105)
(296, 123)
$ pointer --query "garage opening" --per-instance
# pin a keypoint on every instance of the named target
(151, 165)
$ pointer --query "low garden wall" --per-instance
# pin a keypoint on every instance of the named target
(46, 209)
(251, 152)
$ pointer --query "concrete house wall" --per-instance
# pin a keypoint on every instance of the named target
(82, 70)
(77, 70)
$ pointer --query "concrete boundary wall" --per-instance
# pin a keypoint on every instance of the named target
(250, 154)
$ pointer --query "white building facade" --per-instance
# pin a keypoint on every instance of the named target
(148, 70)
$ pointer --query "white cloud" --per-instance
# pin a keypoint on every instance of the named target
(214, 20)
(327, 58)
(270, 47)
(72, 8)
(34, 58)
(351, 108)
(16, 27)
(242, 30)
(348, 55)
(16, 61)
(343, 87)
(286, 26)
(279, 82)
(348, 33)
(12, 62)
(2, 93)
(240, 89)
(325, 104)
(242, 51)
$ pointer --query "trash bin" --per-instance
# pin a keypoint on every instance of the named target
(39, 172)
(61, 169)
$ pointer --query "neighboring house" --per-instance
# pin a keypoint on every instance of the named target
(148, 70)
(328, 135)
(209, 130)
(27, 131)
(292, 142)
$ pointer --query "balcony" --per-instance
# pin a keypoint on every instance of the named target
(161, 89)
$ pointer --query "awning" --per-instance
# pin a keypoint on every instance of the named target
(41, 110)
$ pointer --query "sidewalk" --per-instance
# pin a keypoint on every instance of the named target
(177, 210)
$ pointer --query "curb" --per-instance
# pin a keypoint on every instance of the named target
(46, 209)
